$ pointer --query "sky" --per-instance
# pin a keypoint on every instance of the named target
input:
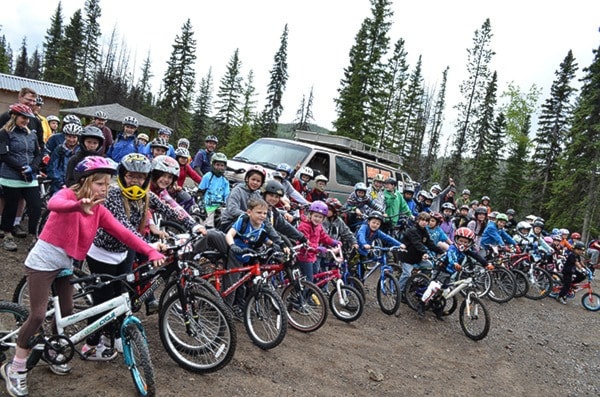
(530, 39)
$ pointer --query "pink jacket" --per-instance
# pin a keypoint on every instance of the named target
(69, 228)
(315, 235)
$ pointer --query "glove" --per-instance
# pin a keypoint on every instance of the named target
(335, 243)
(322, 250)
(27, 169)
(303, 240)
(236, 249)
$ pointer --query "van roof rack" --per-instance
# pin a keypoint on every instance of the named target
(350, 146)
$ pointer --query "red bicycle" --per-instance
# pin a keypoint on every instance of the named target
(590, 299)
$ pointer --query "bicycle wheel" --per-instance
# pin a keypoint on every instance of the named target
(591, 301)
(522, 285)
(137, 358)
(388, 294)
(358, 285)
(265, 319)
(202, 338)
(306, 308)
(474, 318)
(481, 277)
(540, 283)
(42, 222)
(170, 289)
(346, 306)
(415, 286)
(503, 285)
(12, 316)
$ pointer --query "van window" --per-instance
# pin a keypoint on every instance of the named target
(348, 171)
(320, 164)
(373, 170)
(269, 153)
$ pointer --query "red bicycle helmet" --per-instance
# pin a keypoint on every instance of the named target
(334, 204)
(464, 232)
(576, 236)
(20, 109)
(438, 217)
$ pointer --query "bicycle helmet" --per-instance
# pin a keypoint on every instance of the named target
(72, 129)
(576, 236)
(182, 152)
(134, 162)
(274, 187)
(426, 195)
(466, 191)
(143, 137)
(53, 118)
(492, 215)
(408, 188)
(334, 204)
(101, 115)
(183, 142)
(578, 245)
(438, 217)
(319, 207)
(523, 228)
(510, 211)
(218, 158)
(255, 169)
(277, 176)
(378, 178)
(21, 110)
(132, 121)
(448, 206)
(159, 142)
(538, 223)
(306, 171)
(375, 215)
(464, 232)
(71, 118)
(474, 202)
(481, 210)
(211, 138)
(39, 101)
(464, 207)
(165, 164)
(502, 217)
(283, 167)
(322, 178)
(164, 131)
(485, 198)
(360, 186)
(548, 239)
(93, 164)
(435, 187)
(564, 231)
(390, 181)
(90, 131)
(530, 218)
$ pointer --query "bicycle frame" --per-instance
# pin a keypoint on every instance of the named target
(380, 263)
(252, 271)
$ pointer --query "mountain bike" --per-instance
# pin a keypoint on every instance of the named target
(264, 316)
(590, 299)
(60, 348)
(540, 281)
(388, 289)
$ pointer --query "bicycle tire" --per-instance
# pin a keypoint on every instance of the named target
(591, 301)
(470, 322)
(413, 291)
(137, 358)
(481, 278)
(307, 308)
(265, 319)
(503, 285)
(42, 222)
(349, 306)
(170, 288)
(211, 340)
(355, 283)
(12, 316)
(388, 294)
(522, 285)
(540, 283)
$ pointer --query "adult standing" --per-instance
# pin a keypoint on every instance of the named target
(37, 107)
(27, 96)
(100, 118)
(21, 156)
(201, 162)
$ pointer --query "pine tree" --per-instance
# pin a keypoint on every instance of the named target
(141, 95)
(553, 124)
(575, 190)
(22, 62)
(279, 76)
(412, 123)
(52, 44)
(304, 113)
(179, 82)
(111, 81)
(201, 119)
(35, 66)
(228, 104)
(70, 52)
(397, 76)
(248, 99)
(435, 128)
(472, 91)
(90, 57)
(5, 56)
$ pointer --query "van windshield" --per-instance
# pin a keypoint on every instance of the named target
(269, 153)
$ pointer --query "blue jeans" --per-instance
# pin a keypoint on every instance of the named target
(308, 269)
(407, 269)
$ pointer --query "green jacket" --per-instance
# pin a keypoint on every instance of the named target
(395, 205)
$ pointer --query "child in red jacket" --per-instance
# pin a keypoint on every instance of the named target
(312, 229)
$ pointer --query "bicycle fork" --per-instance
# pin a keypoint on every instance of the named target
(472, 310)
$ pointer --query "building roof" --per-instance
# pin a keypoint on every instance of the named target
(116, 113)
(43, 88)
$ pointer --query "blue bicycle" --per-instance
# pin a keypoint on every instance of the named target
(388, 289)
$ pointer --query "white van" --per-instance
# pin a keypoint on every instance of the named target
(344, 161)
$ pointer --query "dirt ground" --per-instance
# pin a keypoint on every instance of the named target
(534, 348)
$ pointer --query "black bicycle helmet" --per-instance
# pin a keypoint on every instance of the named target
(274, 187)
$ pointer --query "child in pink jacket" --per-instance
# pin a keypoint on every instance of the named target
(312, 228)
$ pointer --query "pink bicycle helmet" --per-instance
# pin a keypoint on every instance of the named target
(93, 164)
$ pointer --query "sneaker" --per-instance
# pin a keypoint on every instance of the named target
(238, 313)
(118, 345)
(421, 310)
(16, 383)
(19, 232)
(98, 353)
(9, 244)
(58, 369)
(152, 307)
(562, 299)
